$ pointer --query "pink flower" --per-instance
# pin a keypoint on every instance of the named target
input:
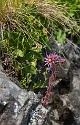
(53, 59)
(50, 60)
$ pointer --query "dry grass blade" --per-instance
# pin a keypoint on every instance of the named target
(56, 12)
(7, 7)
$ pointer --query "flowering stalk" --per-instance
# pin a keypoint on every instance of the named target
(51, 61)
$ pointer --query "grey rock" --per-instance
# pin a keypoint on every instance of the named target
(38, 115)
(74, 96)
(71, 51)
(19, 107)
(15, 103)
(72, 100)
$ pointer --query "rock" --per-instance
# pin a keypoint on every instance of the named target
(19, 107)
(74, 96)
(71, 51)
(72, 99)
(15, 103)
(38, 115)
(71, 82)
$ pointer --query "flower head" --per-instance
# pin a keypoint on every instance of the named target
(53, 58)
(49, 60)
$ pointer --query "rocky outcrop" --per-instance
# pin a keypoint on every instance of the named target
(19, 107)
(71, 83)
(15, 103)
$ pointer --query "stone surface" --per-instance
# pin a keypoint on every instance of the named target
(71, 82)
(72, 53)
(19, 107)
(15, 103)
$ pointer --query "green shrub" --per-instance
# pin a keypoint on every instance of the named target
(24, 40)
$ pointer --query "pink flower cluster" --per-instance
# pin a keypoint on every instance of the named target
(51, 61)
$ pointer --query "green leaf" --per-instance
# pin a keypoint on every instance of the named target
(71, 14)
(61, 37)
(78, 42)
(30, 69)
(4, 42)
(19, 53)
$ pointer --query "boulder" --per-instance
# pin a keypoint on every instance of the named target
(15, 103)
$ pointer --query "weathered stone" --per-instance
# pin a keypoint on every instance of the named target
(15, 103)
(72, 99)
(38, 115)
